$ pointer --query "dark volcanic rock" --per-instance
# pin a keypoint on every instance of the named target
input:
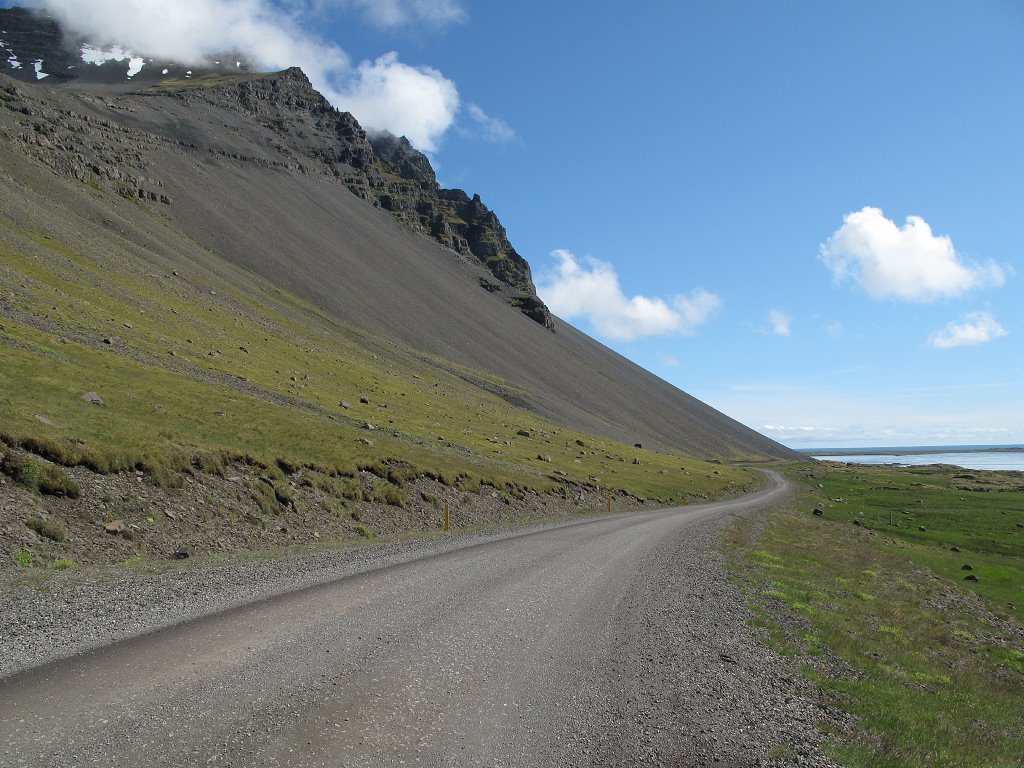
(407, 187)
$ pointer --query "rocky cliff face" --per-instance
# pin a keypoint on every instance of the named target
(384, 170)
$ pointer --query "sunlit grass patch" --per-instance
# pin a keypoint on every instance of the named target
(926, 689)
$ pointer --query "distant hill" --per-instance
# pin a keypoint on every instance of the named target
(222, 171)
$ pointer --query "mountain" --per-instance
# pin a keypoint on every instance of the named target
(255, 180)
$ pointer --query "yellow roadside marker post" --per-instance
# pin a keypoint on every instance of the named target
(609, 505)
(446, 515)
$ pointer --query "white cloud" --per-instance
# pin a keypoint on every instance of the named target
(399, 13)
(416, 102)
(493, 128)
(670, 361)
(780, 322)
(907, 263)
(592, 292)
(805, 415)
(976, 328)
(384, 95)
(835, 330)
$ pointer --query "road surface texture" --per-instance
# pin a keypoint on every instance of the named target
(612, 642)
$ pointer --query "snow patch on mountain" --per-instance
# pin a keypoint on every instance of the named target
(93, 55)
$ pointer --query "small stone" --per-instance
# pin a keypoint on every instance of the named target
(543, 457)
(954, 549)
(857, 522)
(368, 425)
(971, 577)
(108, 340)
(180, 554)
(344, 404)
(364, 400)
(819, 512)
(966, 567)
(365, 441)
(92, 397)
(523, 433)
(129, 326)
(921, 528)
(115, 527)
(636, 461)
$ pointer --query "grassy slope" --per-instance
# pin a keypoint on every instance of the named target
(930, 664)
(199, 365)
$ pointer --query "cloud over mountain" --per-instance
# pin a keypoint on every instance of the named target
(591, 291)
(384, 94)
(906, 263)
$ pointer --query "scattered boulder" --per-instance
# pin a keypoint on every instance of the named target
(92, 397)
(343, 404)
(369, 426)
(366, 441)
(921, 528)
(971, 577)
(543, 457)
(856, 521)
(180, 554)
(523, 433)
(637, 445)
(818, 512)
(636, 461)
(954, 549)
(966, 567)
(115, 527)
(364, 400)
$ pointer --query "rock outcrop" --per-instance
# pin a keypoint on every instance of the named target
(385, 170)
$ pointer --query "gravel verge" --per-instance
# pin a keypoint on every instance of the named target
(54, 615)
(692, 682)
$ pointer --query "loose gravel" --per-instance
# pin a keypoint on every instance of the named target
(656, 666)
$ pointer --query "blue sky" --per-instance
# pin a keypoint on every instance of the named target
(720, 190)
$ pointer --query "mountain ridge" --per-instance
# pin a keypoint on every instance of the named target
(280, 196)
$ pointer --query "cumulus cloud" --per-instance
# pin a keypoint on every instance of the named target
(416, 102)
(906, 263)
(975, 328)
(384, 94)
(779, 323)
(591, 291)
(492, 128)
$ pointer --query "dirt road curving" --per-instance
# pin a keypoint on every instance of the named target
(617, 641)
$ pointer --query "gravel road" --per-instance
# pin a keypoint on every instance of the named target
(616, 641)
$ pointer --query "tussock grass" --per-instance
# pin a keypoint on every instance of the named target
(30, 472)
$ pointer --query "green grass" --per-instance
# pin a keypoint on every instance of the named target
(30, 472)
(50, 529)
(208, 366)
(933, 678)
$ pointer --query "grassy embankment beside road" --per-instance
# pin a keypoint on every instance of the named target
(199, 364)
(879, 606)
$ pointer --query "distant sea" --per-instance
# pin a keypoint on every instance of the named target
(1003, 457)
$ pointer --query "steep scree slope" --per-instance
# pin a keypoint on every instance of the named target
(260, 170)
